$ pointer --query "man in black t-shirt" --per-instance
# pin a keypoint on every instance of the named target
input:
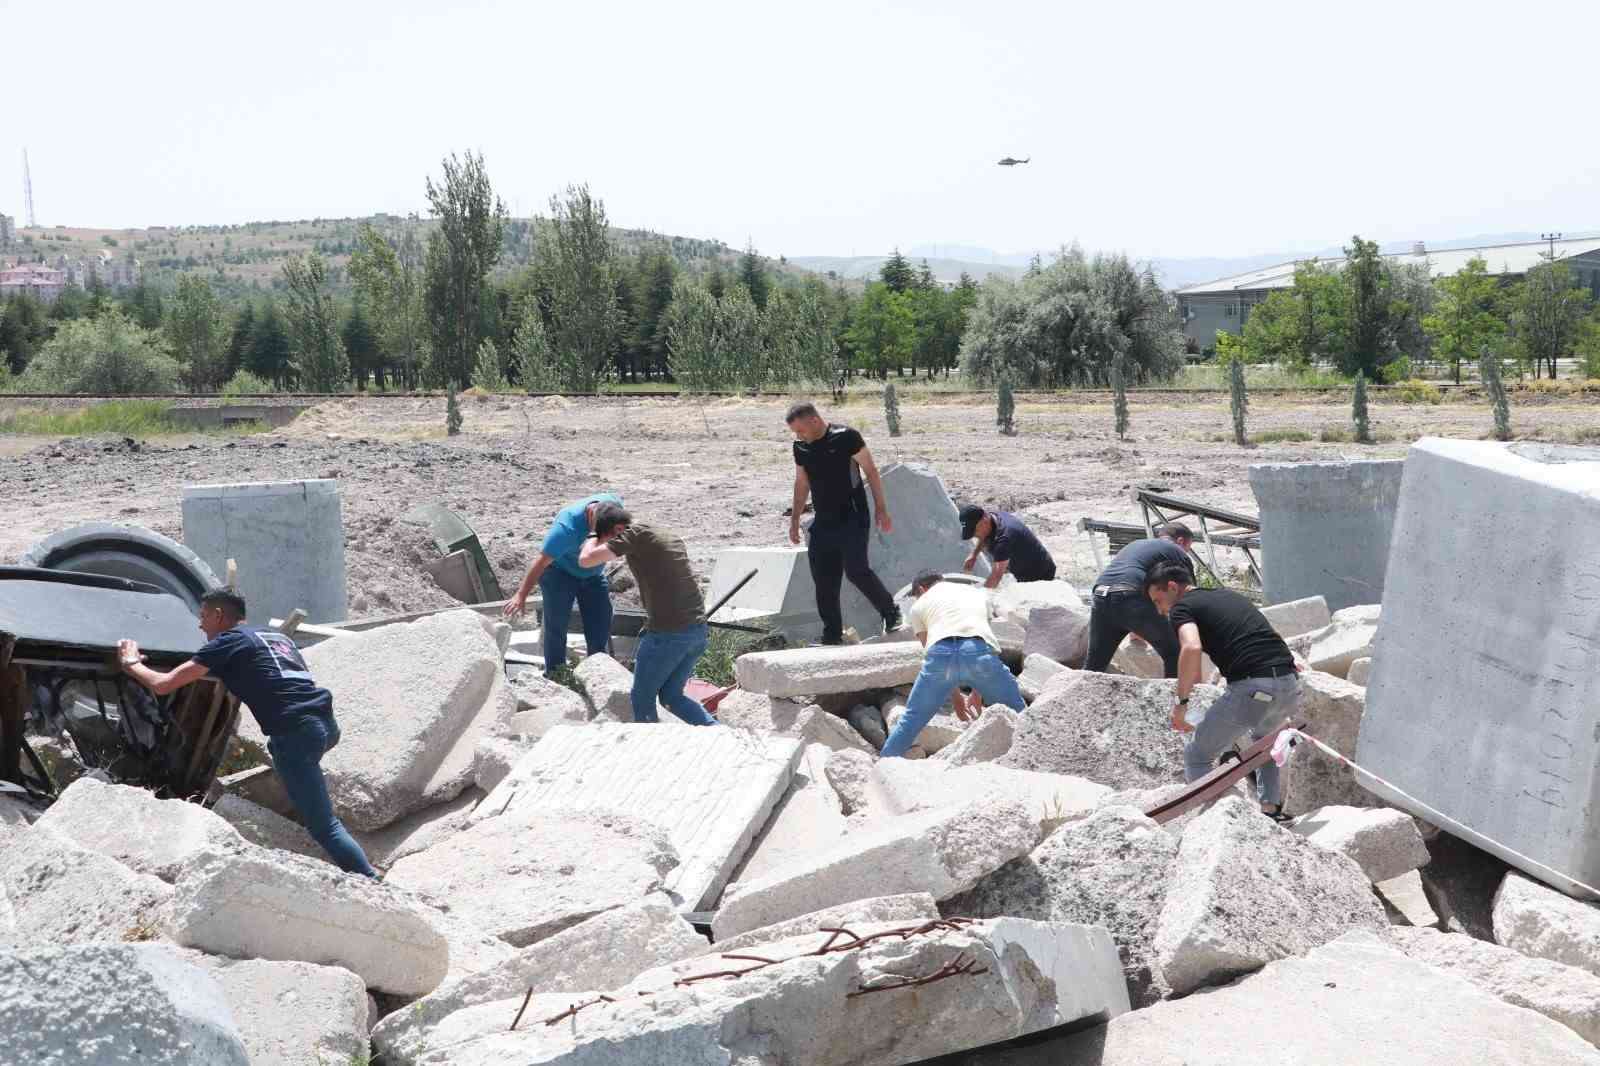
(830, 464)
(1263, 683)
(1011, 546)
(1119, 606)
(266, 671)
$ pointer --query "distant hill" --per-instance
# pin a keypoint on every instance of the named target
(866, 267)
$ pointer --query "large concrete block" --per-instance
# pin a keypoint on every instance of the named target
(1293, 617)
(1384, 842)
(819, 671)
(292, 1013)
(710, 789)
(810, 816)
(1480, 705)
(942, 851)
(150, 835)
(54, 892)
(412, 701)
(909, 908)
(262, 904)
(1325, 528)
(1053, 617)
(781, 596)
(113, 1005)
(287, 537)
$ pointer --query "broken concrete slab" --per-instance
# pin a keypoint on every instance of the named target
(607, 687)
(412, 701)
(781, 598)
(528, 873)
(903, 786)
(1360, 671)
(61, 893)
(850, 774)
(541, 704)
(291, 1013)
(1405, 902)
(128, 824)
(1114, 730)
(471, 949)
(1325, 528)
(419, 830)
(1023, 977)
(1365, 614)
(810, 816)
(815, 671)
(807, 722)
(1245, 892)
(1542, 923)
(1384, 842)
(264, 828)
(1356, 1001)
(1332, 709)
(1109, 869)
(113, 1004)
(254, 903)
(603, 952)
(1334, 648)
(494, 758)
(1036, 670)
(985, 740)
(1565, 994)
(942, 851)
(711, 789)
(1053, 617)
(908, 908)
(1294, 617)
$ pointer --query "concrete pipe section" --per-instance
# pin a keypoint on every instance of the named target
(116, 550)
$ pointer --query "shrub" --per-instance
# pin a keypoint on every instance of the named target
(244, 383)
(109, 355)
(891, 409)
(1417, 391)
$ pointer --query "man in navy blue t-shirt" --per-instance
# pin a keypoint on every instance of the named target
(1120, 606)
(266, 671)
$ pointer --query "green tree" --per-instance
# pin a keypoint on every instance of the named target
(197, 334)
(660, 274)
(891, 409)
(143, 304)
(1238, 402)
(244, 321)
(489, 374)
(108, 355)
(1358, 410)
(462, 249)
(361, 346)
(531, 358)
(1119, 396)
(814, 332)
(884, 330)
(897, 273)
(754, 277)
(387, 275)
(1005, 407)
(1467, 317)
(579, 260)
(315, 346)
(23, 331)
(694, 346)
(269, 355)
(740, 337)
(1549, 316)
(1489, 373)
(1366, 340)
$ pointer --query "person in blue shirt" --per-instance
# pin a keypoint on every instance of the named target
(563, 581)
(266, 671)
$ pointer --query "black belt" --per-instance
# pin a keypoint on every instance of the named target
(1105, 590)
(1269, 672)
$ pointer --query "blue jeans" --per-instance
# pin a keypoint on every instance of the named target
(297, 758)
(1235, 713)
(950, 663)
(593, 597)
(661, 667)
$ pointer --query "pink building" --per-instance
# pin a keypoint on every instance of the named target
(44, 282)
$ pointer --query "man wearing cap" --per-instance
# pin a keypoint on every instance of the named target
(1120, 606)
(1011, 546)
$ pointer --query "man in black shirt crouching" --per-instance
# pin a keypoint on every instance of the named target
(830, 463)
(1263, 686)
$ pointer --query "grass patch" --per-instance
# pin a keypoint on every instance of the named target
(128, 418)
(1335, 435)
(1279, 436)
(726, 645)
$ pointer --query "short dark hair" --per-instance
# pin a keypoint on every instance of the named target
(608, 516)
(1162, 573)
(801, 410)
(231, 602)
(1174, 531)
(926, 580)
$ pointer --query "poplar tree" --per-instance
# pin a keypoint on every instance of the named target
(1006, 408)
(891, 409)
(1119, 396)
(1489, 371)
(1237, 400)
(1358, 410)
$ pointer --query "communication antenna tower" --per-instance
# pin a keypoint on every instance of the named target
(27, 189)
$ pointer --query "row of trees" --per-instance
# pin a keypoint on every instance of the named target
(1380, 318)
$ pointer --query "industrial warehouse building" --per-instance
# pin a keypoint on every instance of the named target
(1226, 302)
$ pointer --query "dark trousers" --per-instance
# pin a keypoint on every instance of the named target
(838, 550)
(593, 597)
(1117, 614)
(1047, 572)
(297, 758)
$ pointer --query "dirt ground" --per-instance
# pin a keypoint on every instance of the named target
(719, 473)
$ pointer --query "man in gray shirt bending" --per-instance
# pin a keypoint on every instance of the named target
(1120, 606)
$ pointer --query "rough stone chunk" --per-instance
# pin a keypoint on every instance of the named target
(412, 701)
(1334, 647)
(542, 704)
(146, 834)
(495, 757)
(1541, 922)
(905, 786)
(254, 903)
(1405, 901)
(942, 852)
(1562, 993)
(814, 671)
(1354, 1002)
(1383, 842)
(264, 828)
(1114, 730)
(850, 774)
(1332, 708)
(1109, 869)
(419, 830)
(1364, 614)
(868, 723)
(790, 718)
(711, 789)
(1360, 671)
(1024, 977)
(1036, 670)
(15, 817)
(292, 1013)
(603, 952)
(60, 893)
(985, 740)
(1245, 892)
(525, 875)
(1052, 615)
(810, 816)
(110, 1005)
(1295, 617)
(911, 908)
(608, 687)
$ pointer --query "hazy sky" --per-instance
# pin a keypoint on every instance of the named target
(824, 127)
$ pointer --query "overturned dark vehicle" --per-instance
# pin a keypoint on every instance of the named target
(61, 689)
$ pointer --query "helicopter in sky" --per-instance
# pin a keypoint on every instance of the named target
(1009, 162)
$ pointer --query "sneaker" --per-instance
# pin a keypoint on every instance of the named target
(891, 621)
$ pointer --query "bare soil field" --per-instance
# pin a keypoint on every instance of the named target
(718, 472)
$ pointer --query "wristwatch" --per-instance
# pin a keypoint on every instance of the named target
(1183, 701)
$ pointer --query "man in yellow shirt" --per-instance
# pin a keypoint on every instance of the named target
(952, 621)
